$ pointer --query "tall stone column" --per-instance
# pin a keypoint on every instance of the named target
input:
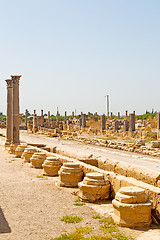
(103, 122)
(118, 115)
(34, 122)
(158, 125)
(15, 116)
(83, 120)
(72, 114)
(42, 118)
(126, 113)
(9, 112)
(48, 118)
(131, 122)
(26, 116)
(126, 126)
(116, 125)
(65, 117)
(57, 121)
(158, 121)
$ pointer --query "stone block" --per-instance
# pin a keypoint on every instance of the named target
(94, 187)
(70, 174)
(132, 208)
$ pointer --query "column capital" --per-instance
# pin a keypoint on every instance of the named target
(9, 83)
(16, 78)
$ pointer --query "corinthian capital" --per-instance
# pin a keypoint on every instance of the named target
(16, 78)
(9, 83)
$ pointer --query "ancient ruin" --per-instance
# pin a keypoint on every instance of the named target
(94, 187)
(70, 175)
(51, 166)
(132, 207)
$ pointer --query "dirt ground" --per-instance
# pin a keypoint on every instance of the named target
(31, 208)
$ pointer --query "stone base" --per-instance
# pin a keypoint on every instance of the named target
(13, 147)
(69, 179)
(132, 215)
(50, 170)
(7, 145)
(90, 193)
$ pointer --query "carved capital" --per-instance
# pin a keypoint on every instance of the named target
(9, 83)
(16, 78)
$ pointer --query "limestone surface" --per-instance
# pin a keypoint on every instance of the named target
(51, 166)
(132, 208)
(27, 154)
(38, 159)
(19, 150)
(94, 187)
(70, 175)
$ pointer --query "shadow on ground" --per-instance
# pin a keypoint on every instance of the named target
(4, 227)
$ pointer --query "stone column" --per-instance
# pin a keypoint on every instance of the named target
(57, 118)
(116, 125)
(118, 115)
(34, 122)
(42, 118)
(158, 126)
(9, 112)
(80, 122)
(26, 116)
(65, 117)
(126, 113)
(83, 120)
(48, 118)
(126, 126)
(131, 122)
(111, 115)
(158, 121)
(89, 114)
(15, 116)
(103, 122)
(72, 114)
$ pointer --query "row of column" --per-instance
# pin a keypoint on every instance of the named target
(12, 131)
(128, 125)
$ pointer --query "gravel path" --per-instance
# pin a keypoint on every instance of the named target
(31, 208)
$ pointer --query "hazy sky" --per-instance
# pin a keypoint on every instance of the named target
(72, 53)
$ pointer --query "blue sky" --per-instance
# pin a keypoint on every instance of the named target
(72, 53)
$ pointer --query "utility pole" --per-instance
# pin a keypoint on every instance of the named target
(107, 106)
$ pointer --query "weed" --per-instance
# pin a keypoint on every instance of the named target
(85, 230)
(79, 203)
(71, 219)
(111, 137)
(108, 221)
(96, 216)
(120, 236)
(42, 178)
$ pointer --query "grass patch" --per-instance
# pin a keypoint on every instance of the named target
(110, 232)
(79, 203)
(42, 178)
(149, 140)
(85, 230)
(96, 216)
(111, 137)
(130, 141)
(71, 219)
